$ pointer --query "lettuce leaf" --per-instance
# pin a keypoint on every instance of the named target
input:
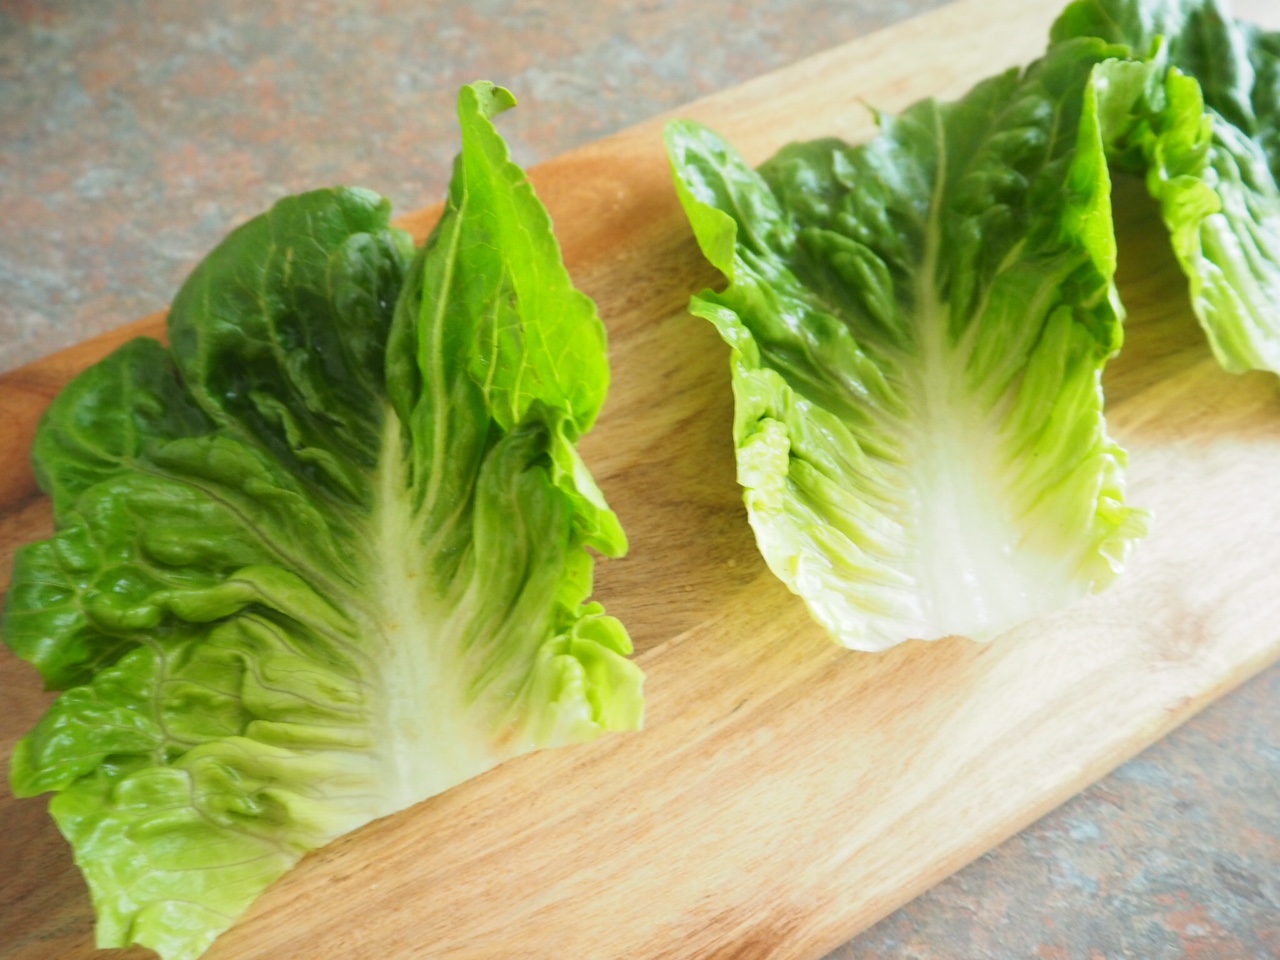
(918, 329)
(1200, 118)
(326, 556)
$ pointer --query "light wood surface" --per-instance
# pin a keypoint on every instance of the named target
(786, 793)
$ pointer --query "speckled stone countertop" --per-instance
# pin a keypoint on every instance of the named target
(135, 133)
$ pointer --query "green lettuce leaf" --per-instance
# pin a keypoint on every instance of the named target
(1200, 118)
(326, 556)
(918, 329)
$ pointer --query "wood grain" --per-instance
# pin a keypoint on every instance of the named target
(786, 793)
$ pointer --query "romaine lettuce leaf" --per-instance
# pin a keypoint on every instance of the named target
(918, 329)
(1201, 119)
(326, 556)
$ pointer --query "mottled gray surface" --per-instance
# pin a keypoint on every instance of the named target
(133, 134)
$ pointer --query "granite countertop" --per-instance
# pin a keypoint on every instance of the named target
(135, 133)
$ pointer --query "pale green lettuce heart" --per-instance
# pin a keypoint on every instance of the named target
(1200, 118)
(919, 327)
(325, 557)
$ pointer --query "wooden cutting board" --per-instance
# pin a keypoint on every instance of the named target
(786, 793)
